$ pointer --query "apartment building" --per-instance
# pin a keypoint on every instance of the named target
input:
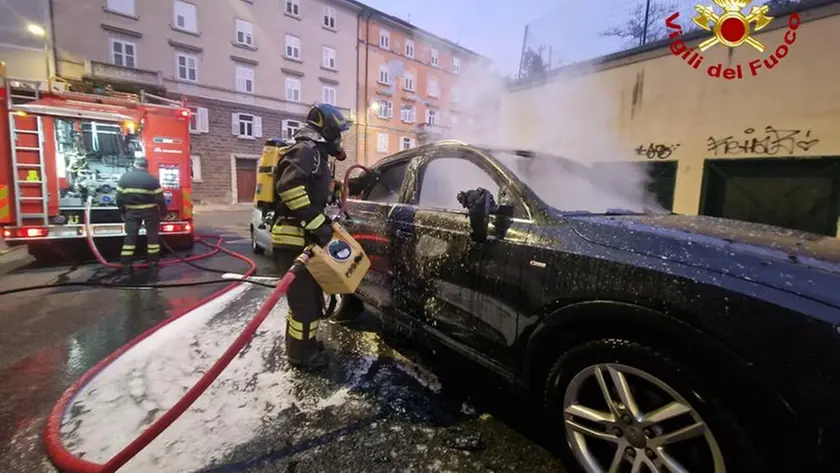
(249, 69)
(410, 86)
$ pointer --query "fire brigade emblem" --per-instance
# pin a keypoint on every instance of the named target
(339, 250)
(732, 28)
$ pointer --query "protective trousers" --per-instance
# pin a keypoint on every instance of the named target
(306, 306)
(133, 219)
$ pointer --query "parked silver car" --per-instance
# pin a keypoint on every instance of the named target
(261, 244)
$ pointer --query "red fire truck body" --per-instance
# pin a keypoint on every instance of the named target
(60, 149)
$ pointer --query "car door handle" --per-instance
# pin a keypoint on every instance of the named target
(404, 234)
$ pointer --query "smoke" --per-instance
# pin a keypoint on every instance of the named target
(573, 115)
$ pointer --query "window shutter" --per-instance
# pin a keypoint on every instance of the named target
(203, 120)
(234, 119)
(427, 116)
(257, 127)
(240, 80)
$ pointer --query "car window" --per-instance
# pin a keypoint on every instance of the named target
(443, 178)
(387, 189)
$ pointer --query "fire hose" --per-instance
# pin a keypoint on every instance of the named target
(63, 459)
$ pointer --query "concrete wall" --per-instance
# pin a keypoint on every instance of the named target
(656, 99)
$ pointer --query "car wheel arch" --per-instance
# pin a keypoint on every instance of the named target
(583, 321)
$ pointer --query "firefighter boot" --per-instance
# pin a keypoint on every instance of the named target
(302, 348)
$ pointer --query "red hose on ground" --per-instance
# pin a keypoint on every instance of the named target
(214, 249)
(64, 460)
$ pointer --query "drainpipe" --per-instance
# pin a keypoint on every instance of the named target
(50, 12)
(367, 75)
(358, 95)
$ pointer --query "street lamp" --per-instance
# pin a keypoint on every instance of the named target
(40, 32)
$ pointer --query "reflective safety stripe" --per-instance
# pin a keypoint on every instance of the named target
(292, 193)
(127, 253)
(296, 329)
(140, 206)
(128, 247)
(298, 202)
(316, 222)
(134, 190)
(154, 249)
(287, 235)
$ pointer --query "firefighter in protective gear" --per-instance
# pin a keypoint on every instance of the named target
(303, 180)
(140, 200)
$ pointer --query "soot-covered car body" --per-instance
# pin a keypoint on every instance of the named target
(735, 322)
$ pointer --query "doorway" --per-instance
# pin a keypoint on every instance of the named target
(246, 179)
(800, 194)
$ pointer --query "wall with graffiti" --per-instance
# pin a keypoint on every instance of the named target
(656, 109)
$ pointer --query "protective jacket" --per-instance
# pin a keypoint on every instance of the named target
(137, 190)
(303, 185)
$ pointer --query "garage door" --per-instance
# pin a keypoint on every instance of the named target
(246, 179)
(662, 178)
(802, 194)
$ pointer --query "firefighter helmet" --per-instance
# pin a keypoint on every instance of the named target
(328, 120)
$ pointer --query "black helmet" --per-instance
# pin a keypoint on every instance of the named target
(328, 120)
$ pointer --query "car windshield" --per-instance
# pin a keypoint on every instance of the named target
(572, 187)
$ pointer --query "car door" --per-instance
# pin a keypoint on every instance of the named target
(369, 222)
(465, 292)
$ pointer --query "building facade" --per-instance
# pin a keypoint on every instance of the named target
(249, 70)
(761, 148)
(410, 86)
(25, 40)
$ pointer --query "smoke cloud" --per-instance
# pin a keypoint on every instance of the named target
(573, 115)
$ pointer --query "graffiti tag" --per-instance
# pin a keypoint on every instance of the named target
(656, 151)
(771, 143)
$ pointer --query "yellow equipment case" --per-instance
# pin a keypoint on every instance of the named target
(273, 152)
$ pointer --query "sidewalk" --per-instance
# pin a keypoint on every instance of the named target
(14, 258)
(205, 208)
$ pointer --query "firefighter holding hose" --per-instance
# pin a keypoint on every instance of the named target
(140, 200)
(303, 184)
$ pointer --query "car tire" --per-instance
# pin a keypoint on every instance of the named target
(348, 309)
(255, 247)
(573, 384)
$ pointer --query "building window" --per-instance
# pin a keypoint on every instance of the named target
(246, 125)
(382, 142)
(187, 67)
(126, 7)
(409, 48)
(435, 57)
(292, 46)
(385, 109)
(244, 33)
(431, 117)
(186, 17)
(329, 17)
(123, 53)
(293, 89)
(293, 7)
(328, 58)
(454, 96)
(407, 143)
(408, 113)
(199, 120)
(456, 65)
(408, 81)
(329, 95)
(290, 127)
(195, 168)
(384, 39)
(433, 87)
(245, 79)
(384, 75)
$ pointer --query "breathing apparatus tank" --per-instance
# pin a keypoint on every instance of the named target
(273, 152)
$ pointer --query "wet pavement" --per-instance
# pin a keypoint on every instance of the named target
(382, 406)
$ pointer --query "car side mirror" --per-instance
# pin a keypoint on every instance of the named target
(479, 203)
(261, 226)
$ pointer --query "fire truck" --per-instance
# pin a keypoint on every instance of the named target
(62, 150)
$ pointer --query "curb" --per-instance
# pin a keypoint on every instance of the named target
(14, 258)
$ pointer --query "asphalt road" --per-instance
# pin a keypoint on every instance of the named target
(384, 405)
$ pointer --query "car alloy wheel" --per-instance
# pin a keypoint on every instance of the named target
(332, 304)
(255, 247)
(623, 419)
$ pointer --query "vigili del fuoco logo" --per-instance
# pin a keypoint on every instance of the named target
(732, 29)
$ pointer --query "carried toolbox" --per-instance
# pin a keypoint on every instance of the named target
(340, 265)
